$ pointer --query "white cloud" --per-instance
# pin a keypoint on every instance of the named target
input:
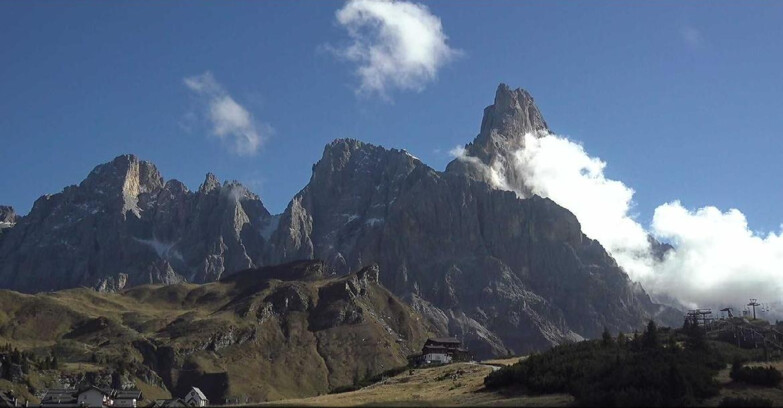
(230, 121)
(396, 44)
(560, 169)
(718, 261)
(718, 258)
(692, 36)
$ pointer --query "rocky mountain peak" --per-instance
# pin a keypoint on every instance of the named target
(503, 128)
(513, 113)
(123, 226)
(210, 183)
(122, 181)
(7, 215)
(127, 171)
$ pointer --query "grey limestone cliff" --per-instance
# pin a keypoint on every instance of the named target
(124, 225)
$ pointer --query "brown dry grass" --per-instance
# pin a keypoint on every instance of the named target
(504, 361)
(454, 384)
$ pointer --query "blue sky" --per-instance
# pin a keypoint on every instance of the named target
(682, 100)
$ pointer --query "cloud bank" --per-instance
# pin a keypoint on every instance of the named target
(230, 121)
(718, 260)
(395, 44)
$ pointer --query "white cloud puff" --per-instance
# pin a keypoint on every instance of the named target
(396, 44)
(230, 121)
(717, 260)
(560, 169)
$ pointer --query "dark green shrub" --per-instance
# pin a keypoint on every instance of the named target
(764, 376)
(647, 371)
(745, 402)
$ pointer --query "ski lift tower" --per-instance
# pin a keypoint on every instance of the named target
(753, 303)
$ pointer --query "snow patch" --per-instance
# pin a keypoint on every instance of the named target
(350, 217)
(374, 221)
(410, 155)
(164, 250)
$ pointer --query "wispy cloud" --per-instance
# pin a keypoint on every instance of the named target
(396, 44)
(692, 36)
(229, 120)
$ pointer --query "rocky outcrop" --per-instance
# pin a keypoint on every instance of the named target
(8, 215)
(503, 273)
(8, 218)
(124, 225)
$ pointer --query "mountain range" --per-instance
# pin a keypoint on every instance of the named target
(502, 271)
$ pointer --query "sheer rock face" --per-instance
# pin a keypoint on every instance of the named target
(124, 226)
(503, 273)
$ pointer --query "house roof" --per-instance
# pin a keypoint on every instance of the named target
(128, 394)
(104, 391)
(447, 340)
(199, 393)
(59, 394)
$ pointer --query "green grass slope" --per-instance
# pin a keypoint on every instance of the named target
(273, 333)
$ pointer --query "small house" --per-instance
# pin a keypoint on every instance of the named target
(59, 397)
(443, 350)
(126, 398)
(93, 396)
(196, 398)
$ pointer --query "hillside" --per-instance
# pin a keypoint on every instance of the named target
(459, 384)
(287, 331)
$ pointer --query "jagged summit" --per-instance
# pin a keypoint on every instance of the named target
(503, 128)
(513, 113)
(210, 183)
(124, 166)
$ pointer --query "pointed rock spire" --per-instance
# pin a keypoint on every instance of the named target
(210, 183)
(512, 114)
(504, 126)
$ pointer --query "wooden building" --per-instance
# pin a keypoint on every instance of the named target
(443, 350)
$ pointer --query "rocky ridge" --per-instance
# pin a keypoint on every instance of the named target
(124, 225)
